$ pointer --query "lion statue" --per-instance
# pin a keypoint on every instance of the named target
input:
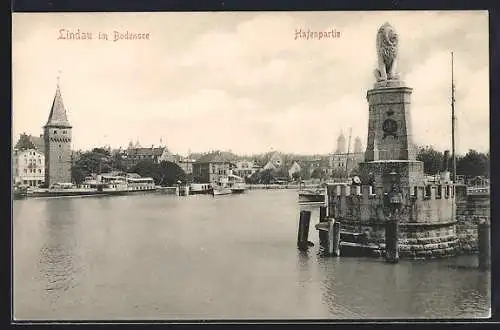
(387, 52)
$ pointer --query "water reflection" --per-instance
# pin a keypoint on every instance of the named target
(58, 261)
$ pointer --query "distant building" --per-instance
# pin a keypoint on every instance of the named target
(186, 164)
(29, 167)
(57, 143)
(274, 162)
(340, 159)
(211, 168)
(294, 168)
(341, 149)
(133, 154)
(245, 168)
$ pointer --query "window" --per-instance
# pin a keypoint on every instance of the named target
(428, 191)
(59, 157)
(64, 132)
(439, 191)
(39, 171)
(25, 170)
(59, 146)
(55, 132)
(39, 161)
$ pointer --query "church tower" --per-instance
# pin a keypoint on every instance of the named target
(358, 148)
(57, 137)
(341, 148)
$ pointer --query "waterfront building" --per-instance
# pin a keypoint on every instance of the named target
(57, 143)
(210, 168)
(245, 168)
(294, 168)
(186, 164)
(134, 154)
(29, 167)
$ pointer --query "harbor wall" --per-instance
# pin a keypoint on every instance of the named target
(471, 210)
(426, 219)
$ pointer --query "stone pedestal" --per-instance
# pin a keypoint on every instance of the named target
(410, 174)
(389, 125)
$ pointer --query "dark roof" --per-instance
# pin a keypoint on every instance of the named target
(57, 116)
(145, 151)
(38, 142)
(216, 157)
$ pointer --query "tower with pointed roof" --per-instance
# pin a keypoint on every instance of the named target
(358, 148)
(57, 138)
(341, 148)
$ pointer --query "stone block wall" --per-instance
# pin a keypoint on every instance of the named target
(471, 210)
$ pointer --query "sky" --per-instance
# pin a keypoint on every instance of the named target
(243, 82)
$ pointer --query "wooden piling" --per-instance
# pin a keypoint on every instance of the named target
(334, 237)
(484, 245)
(304, 220)
(391, 241)
(323, 235)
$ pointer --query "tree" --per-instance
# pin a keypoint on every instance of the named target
(148, 168)
(280, 174)
(265, 176)
(171, 173)
(318, 173)
(101, 151)
(305, 174)
(117, 162)
(432, 159)
(338, 173)
(165, 173)
(90, 162)
(474, 164)
(296, 176)
(24, 142)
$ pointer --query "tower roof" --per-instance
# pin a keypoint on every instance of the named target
(341, 136)
(57, 115)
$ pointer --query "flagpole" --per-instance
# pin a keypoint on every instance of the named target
(453, 157)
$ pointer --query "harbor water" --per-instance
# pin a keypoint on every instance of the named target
(163, 257)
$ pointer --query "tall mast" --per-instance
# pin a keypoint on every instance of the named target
(453, 156)
(348, 151)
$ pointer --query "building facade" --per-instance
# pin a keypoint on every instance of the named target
(245, 168)
(212, 168)
(57, 143)
(29, 167)
(133, 155)
(342, 160)
(186, 164)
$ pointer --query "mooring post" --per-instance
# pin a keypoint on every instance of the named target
(304, 219)
(484, 244)
(323, 235)
(334, 237)
(391, 241)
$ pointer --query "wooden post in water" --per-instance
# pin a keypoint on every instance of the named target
(323, 235)
(484, 245)
(334, 237)
(391, 241)
(304, 219)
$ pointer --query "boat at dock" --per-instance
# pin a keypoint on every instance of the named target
(236, 184)
(65, 190)
(217, 191)
(231, 184)
(200, 189)
(97, 185)
(313, 195)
